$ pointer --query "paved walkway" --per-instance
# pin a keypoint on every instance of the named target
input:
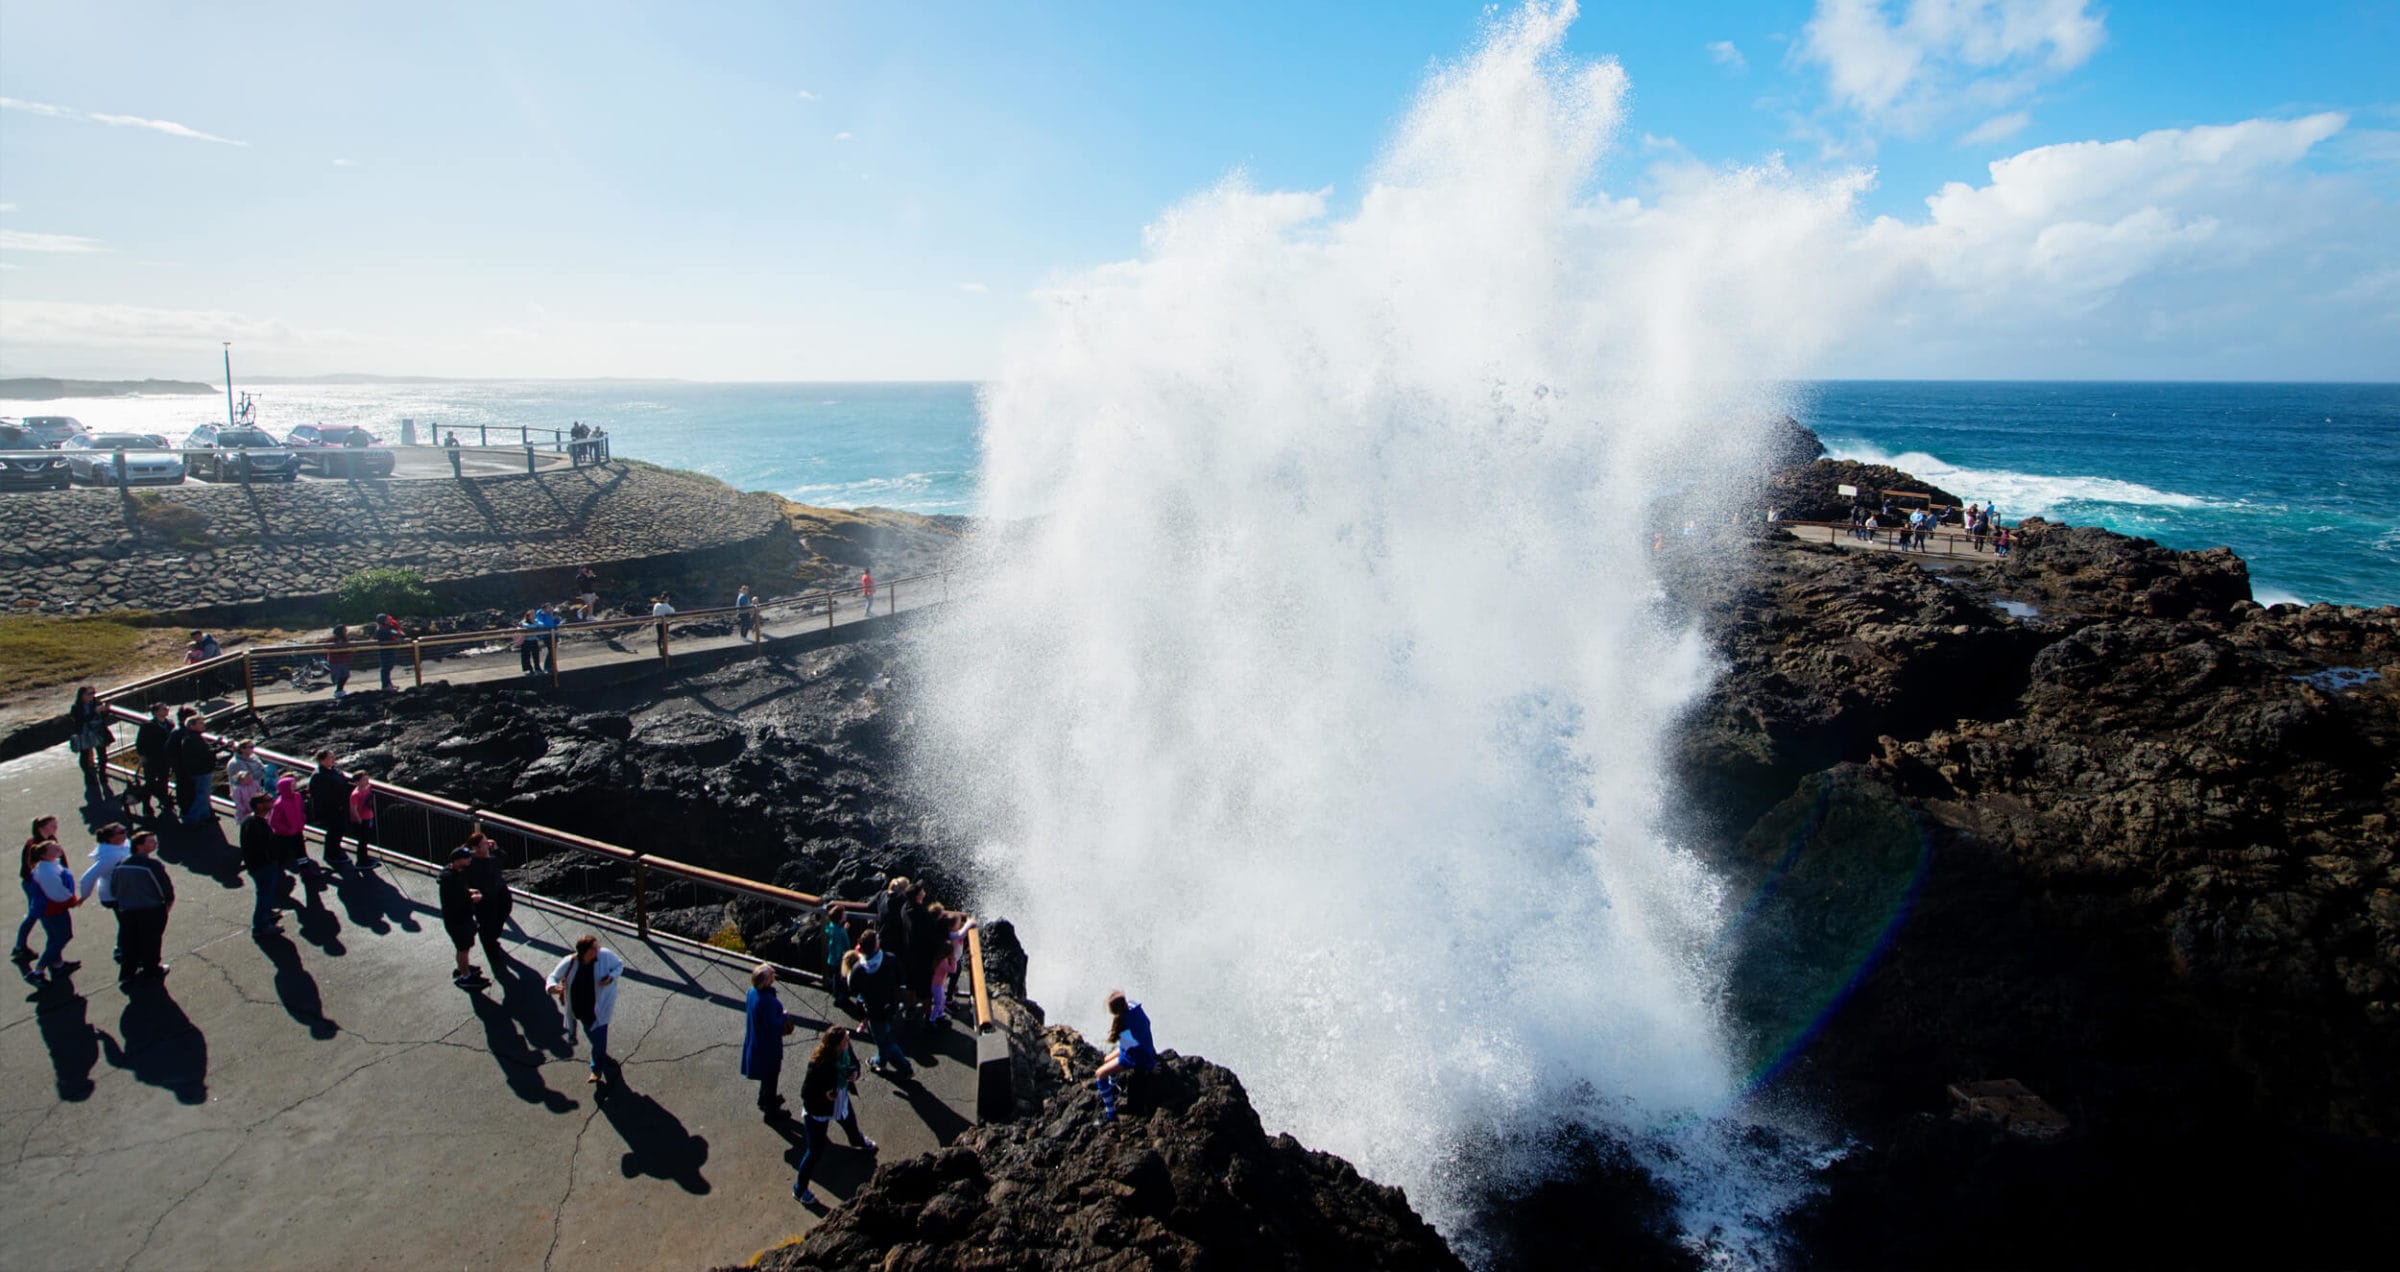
(499, 661)
(327, 1098)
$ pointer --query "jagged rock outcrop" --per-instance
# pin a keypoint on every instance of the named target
(1185, 1178)
(2088, 570)
(1810, 492)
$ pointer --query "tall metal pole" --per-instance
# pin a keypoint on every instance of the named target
(229, 384)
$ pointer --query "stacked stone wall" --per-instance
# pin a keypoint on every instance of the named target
(258, 551)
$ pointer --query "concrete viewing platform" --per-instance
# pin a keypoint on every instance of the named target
(327, 1098)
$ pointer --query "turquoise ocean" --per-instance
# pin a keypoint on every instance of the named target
(2302, 479)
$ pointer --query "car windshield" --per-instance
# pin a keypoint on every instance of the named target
(111, 441)
(13, 438)
(245, 438)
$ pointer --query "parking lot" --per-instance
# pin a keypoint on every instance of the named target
(410, 463)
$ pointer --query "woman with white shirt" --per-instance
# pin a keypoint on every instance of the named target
(56, 883)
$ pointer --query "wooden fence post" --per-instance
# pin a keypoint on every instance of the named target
(416, 660)
(249, 683)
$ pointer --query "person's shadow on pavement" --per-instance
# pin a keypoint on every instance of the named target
(295, 987)
(161, 1047)
(64, 1017)
(370, 901)
(316, 923)
(520, 1065)
(528, 999)
(656, 1142)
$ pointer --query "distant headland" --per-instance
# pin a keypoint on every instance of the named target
(39, 388)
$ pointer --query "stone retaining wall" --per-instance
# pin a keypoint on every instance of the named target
(267, 549)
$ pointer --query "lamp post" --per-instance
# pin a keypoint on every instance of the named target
(229, 384)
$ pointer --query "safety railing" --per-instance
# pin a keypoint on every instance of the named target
(312, 664)
(1892, 537)
(418, 828)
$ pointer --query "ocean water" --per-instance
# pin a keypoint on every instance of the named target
(2302, 479)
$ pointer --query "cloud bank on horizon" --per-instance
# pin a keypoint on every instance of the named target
(2264, 245)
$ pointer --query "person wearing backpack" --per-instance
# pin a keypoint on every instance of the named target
(144, 894)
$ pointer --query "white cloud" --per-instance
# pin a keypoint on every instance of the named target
(1943, 55)
(1997, 128)
(116, 329)
(167, 126)
(973, 287)
(841, 136)
(345, 163)
(24, 241)
(8, 207)
(2182, 253)
(804, 95)
(1724, 54)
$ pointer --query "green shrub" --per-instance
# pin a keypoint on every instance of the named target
(384, 589)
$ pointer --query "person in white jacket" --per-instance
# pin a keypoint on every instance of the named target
(114, 846)
(585, 985)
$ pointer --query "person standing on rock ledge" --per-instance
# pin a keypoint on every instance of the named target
(1129, 1029)
(764, 1026)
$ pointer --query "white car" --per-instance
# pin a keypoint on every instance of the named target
(92, 459)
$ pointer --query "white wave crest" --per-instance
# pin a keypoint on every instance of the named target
(2016, 494)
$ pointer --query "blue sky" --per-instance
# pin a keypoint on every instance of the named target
(822, 191)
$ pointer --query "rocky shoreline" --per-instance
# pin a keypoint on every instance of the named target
(2127, 841)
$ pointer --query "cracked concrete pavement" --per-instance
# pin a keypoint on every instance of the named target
(327, 1098)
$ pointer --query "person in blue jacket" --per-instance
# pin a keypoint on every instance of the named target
(1129, 1031)
(765, 1025)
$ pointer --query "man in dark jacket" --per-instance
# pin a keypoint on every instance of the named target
(143, 893)
(329, 802)
(387, 639)
(262, 857)
(492, 897)
(457, 892)
(154, 742)
(195, 763)
(877, 984)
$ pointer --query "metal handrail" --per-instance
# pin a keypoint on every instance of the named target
(1837, 528)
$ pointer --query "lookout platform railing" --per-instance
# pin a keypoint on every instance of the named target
(1840, 533)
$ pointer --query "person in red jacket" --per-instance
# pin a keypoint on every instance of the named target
(866, 587)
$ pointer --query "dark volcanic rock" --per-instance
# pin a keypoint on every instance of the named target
(2087, 570)
(783, 769)
(1809, 493)
(2138, 854)
(1185, 1178)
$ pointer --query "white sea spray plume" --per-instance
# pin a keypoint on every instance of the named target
(1317, 693)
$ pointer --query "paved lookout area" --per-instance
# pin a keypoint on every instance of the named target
(328, 1098)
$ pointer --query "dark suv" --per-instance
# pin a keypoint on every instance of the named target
(34, 473)
(339, 450)
(51, 430)
(226, 448)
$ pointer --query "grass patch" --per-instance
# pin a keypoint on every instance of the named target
(53, 649)
(729, 937)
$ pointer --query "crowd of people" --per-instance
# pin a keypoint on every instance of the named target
(894, 964)
(1913, 529)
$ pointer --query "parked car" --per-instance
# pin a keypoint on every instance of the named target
(51, 431)
(339, 450)
(92, 459)
(228, 447)
(34, 473)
